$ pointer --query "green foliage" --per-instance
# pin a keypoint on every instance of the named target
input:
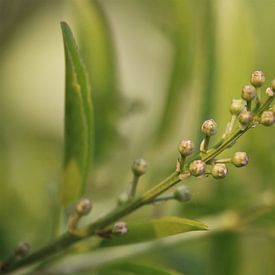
(78, 123)
(155, 229)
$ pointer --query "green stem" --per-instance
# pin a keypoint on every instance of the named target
(67, 240)
(132, 187)
(164, 198)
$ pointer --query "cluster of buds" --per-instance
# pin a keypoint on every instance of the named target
(218, 168)
(240, 109)
(251, 93)
(248, 110)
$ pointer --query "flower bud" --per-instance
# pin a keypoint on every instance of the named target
(23, 249)
(219, 170)
(120, 228)
(197, 168)
(182, 194)
(240, 159)
(245, 117)
(270, 92)
(248, 92)
(139, 167)
(83, 207)
(209, 127)
(257, 79)
(267, 118)
(186, 147)
(236, 106)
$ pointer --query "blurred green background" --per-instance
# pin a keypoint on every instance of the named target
(158, 69)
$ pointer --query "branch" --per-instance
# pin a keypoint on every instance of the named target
(68, 239)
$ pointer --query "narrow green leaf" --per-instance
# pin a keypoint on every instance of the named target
(78, 123)
(128, 268)
(155, 229)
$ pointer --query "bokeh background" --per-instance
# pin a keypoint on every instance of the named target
(158, 69)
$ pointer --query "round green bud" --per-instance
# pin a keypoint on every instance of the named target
(248, 92)
(257, 79)
(240, 159)
(267, 118)
(270, 92)
(245, 117)
(23, 249)
(209, 127)
(273, 85)
(186, 147)
(182, 194)
(120, 229)
(139, 167)
(197, 168)
(83, 207)
(236, 106)
(219, 171)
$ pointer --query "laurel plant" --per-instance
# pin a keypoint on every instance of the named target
(253, 109)
(161, 109)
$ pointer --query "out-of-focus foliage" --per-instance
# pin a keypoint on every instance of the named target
(158, 69)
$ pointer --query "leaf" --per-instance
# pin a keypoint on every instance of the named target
(155, 229)
(78, 123)
(96, 43)
(128, 268)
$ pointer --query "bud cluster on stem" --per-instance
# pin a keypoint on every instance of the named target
(250, 112)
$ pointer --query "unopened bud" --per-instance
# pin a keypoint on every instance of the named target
(182, 194)
(219, 170)
(186, 147)
(83, 207)
(248, 92)
(120, 228)
(139, 167)
(23, 249)
(209, 127)
(197, 168)
(267, 118)
(257, 79)
(270, 92)
(245, 117)
(236, 106)
(240, 159)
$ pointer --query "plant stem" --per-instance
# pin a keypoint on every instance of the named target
(133, 187)
(67, 239)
